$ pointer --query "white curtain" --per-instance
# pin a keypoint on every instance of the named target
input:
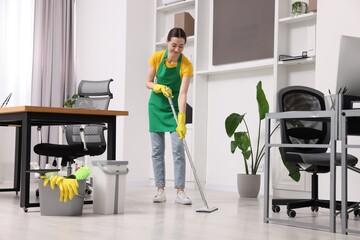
(16, 50)
(53, 76)
(54, 52)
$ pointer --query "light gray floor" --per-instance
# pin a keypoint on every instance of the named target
(236, 219)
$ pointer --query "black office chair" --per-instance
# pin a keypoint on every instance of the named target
(296, 131)
(82, 139)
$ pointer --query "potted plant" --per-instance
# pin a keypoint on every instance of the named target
(71, 101)
(249, 183)
(298, 8)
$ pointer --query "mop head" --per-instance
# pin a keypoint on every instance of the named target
(206, 209)
(82, 173)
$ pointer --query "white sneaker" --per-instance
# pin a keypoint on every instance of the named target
(160, 196)
(181, 198)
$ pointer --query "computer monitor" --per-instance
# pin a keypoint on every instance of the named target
(349, 66)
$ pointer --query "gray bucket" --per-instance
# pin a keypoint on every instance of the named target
(50, 204)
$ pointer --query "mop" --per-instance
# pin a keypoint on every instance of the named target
(206, 208)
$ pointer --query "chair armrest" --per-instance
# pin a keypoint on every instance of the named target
(82, 136)
(39, 134)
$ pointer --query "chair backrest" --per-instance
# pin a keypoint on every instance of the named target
(301, 98)
(92, 95)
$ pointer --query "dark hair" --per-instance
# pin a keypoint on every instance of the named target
(176, 32)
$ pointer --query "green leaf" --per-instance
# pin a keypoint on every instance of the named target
(262, 102)
(233, 146)
(246, 154)
(294, 172)
(243, 141)
(232, 122)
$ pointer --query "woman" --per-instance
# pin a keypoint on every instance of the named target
(173, 72)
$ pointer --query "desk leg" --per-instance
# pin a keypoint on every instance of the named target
(111, 141)
(17, 167)
(267, 171)
(344, 192)
(332, 223)
(25, 165)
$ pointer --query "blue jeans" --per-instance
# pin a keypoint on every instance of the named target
(158, 151)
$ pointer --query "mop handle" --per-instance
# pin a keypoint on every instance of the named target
(189, 157)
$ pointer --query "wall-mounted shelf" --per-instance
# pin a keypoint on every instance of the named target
(240, 67)
(298, 18)
(298, 61)
(174, 6)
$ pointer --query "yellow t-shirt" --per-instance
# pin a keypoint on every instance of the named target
(186, 69)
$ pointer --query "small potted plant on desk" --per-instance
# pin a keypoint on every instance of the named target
(69, 103)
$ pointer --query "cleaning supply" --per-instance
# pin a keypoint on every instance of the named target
(181, 129)
(166, 91)
(82, 173)
(206, 208)
(68, 187)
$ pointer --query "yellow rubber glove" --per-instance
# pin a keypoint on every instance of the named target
(181, 129)
(64, 191)
(61, 189)
(45, 179)
(54, 179)
(72, 187)
(166, 91)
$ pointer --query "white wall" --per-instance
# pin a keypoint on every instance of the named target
(139, 47)
(228, 93)
(336, 18)
(114, 40)
(100, 55)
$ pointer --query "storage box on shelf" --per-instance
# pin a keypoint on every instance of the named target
(312, 6)
(185, 21)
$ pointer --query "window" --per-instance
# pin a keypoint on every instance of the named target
(16, 50)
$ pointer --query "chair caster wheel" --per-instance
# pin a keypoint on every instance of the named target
(275, 208)
(88, 191)
(314, 209)
(25, 209)
(356, 212)
(291, 213)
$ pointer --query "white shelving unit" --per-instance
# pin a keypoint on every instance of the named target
(293, 35)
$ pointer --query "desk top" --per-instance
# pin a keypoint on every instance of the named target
(39, 109)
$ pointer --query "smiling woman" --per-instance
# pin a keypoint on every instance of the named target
(16, 50)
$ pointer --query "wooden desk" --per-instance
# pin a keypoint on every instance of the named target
(26, 116)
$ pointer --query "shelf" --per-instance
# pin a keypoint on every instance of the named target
(308, 60)
(298, 18)
(174, 6)
(240, 67)
(163, 44)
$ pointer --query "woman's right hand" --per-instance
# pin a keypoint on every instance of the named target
(166, 91)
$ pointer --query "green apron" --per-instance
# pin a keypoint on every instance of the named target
(161, 118)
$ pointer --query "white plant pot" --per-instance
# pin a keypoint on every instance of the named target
(248, 185)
